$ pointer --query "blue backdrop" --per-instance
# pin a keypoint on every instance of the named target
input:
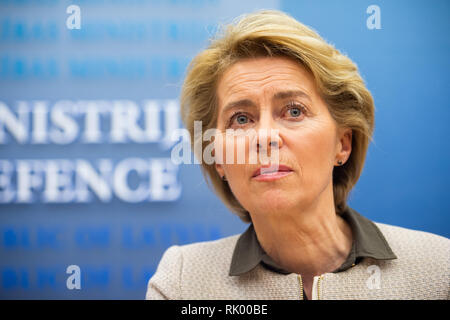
(86, 116)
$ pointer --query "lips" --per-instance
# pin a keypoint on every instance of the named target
(271, 169)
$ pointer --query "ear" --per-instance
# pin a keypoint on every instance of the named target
(218, 166)
(344, 146)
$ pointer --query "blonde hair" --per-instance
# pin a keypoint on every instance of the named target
(270, 34)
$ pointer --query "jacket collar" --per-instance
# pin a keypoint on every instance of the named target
(368, 242)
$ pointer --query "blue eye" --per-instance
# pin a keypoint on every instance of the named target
(239, 119)
(295, 112)
(242, 119)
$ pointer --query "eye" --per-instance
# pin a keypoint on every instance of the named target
(242, 119)
(238, 119)
(294, 110)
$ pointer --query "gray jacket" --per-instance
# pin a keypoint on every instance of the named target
(201, 271)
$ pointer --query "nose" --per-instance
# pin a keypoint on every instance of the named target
(268, 146)
(271, 140)
(268, 134)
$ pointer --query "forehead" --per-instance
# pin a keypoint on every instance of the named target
(262, 75)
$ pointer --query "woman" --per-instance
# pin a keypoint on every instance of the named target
(270, 72)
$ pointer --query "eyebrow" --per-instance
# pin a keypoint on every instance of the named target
(244, 103)
(291, 94)
(247, 103)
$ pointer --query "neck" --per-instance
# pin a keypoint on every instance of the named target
(308, 241)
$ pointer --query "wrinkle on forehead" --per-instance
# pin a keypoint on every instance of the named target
(262, 75)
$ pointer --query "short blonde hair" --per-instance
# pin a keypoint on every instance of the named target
(275, 34)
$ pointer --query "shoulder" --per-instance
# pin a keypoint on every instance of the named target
(209, 255)
(414, 241)
(197, 262)
(421, 269)
(210, 249)
(422, 256)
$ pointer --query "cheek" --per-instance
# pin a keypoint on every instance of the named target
(235, 150)
(313, 150)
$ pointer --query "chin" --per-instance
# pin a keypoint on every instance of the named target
(275, 201)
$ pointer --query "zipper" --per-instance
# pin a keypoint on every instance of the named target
(316, 287)
(300, 282)
(317, 283)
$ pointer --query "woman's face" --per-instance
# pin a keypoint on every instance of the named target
(278, 94)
